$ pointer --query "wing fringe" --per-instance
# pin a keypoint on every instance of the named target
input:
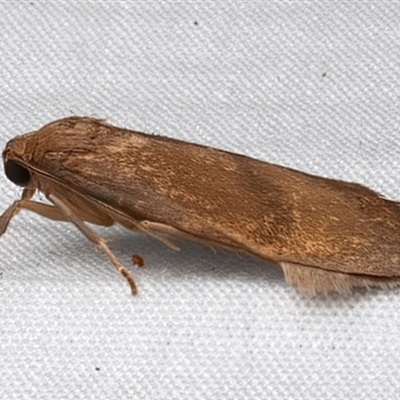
(313, 281)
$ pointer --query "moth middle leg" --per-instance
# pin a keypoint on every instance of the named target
(99, 241)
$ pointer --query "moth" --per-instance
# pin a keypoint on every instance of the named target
(327, 235)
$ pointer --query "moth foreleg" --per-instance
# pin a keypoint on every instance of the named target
(15, 208)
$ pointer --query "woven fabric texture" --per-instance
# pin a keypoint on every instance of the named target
(309, 85)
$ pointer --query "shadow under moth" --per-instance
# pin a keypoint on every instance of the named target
(327, 235)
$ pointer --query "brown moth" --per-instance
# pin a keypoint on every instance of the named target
(327, 235)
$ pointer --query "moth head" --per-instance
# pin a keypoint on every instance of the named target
(13, 157)
(25, 154)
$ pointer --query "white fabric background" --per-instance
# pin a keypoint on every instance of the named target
(313, 86)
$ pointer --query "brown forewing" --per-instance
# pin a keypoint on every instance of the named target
(271, 211)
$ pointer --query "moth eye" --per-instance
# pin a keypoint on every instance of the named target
(16, 173)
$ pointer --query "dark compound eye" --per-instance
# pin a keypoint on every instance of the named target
(17, 174)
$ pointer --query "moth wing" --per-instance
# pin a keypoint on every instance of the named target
(282, 215)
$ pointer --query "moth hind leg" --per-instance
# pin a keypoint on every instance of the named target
(313, 281)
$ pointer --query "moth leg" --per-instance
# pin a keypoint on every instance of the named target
(45, 210)
(155, 229)
(95, 238)
(15, 208)
(312, 281)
